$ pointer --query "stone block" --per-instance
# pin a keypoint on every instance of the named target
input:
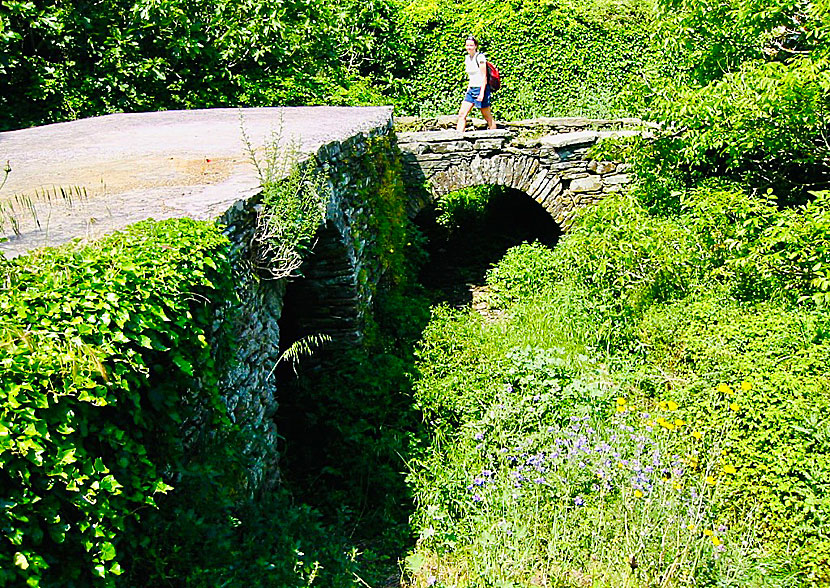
(587, 184)
(536, 181)
(553, 190)
(529, 174)
(616, 179)
(487, 144)
(573, 174)
(489, 134)
(569, 139)
(430, 136)
(605, 167)
(450, 146)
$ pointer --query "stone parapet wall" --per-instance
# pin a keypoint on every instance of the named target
(545, 158)
(405, 124)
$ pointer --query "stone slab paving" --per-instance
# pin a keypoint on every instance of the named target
(85, 178)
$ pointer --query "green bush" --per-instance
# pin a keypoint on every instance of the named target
(106, 359)
(524, 271)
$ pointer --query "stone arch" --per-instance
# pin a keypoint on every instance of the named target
(519, 172)
(325, 298)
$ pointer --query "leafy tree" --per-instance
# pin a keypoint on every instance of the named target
(752, 98)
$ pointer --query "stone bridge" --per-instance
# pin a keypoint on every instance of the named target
(86, 178)
(546, 158)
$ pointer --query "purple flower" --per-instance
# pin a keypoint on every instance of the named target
(508, 389)
(579, 501)
(431, 580)
(478, 436)
(477, 498)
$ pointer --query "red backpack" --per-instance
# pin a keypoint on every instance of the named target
(493, 77)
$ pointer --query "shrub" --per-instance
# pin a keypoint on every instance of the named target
(105, 357)
(556, 58)
(523, 271)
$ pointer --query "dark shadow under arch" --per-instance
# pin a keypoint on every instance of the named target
(459, 256)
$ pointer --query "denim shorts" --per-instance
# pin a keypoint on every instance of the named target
(472, 96)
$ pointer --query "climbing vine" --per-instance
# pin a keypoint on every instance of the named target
(106, 357)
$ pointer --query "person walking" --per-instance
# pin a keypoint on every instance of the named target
(478, 91)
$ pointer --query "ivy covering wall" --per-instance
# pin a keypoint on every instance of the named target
(557, 58)
(107, 362)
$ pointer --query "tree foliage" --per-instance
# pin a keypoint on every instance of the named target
(556, 57)
(61, 61)
(752, 96)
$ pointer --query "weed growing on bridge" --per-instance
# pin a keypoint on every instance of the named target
(293, 206)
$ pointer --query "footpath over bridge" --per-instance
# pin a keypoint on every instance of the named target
(545, 158)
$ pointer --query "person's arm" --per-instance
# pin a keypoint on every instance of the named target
(482, 67)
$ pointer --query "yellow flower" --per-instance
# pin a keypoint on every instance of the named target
(716, 541)
(677, 486)
(638, 493)
(620, 465)
(697, 435)
(649, 423)
(692, 527)
(729, 469)
(734, 406)
(746, 386)
(662, 404)
(621, 401)
(620, 408)
(709, 533)
(711, 480)
(671, 405)
(724, 389)
(679, 422)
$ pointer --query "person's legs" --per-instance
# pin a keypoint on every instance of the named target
(488, 116)
(463, 111)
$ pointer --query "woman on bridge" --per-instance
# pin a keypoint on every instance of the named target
(478, 91)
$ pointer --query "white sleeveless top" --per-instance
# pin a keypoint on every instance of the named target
(472, 65)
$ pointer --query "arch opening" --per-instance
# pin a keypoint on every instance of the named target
(470, 230)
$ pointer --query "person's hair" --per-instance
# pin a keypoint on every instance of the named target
(473, 39)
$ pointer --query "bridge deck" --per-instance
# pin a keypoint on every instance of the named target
(88, 177)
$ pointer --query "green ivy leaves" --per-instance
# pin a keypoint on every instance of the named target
(91, 394)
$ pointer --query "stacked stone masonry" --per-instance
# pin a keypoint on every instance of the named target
(544, 158)
(328, 297)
